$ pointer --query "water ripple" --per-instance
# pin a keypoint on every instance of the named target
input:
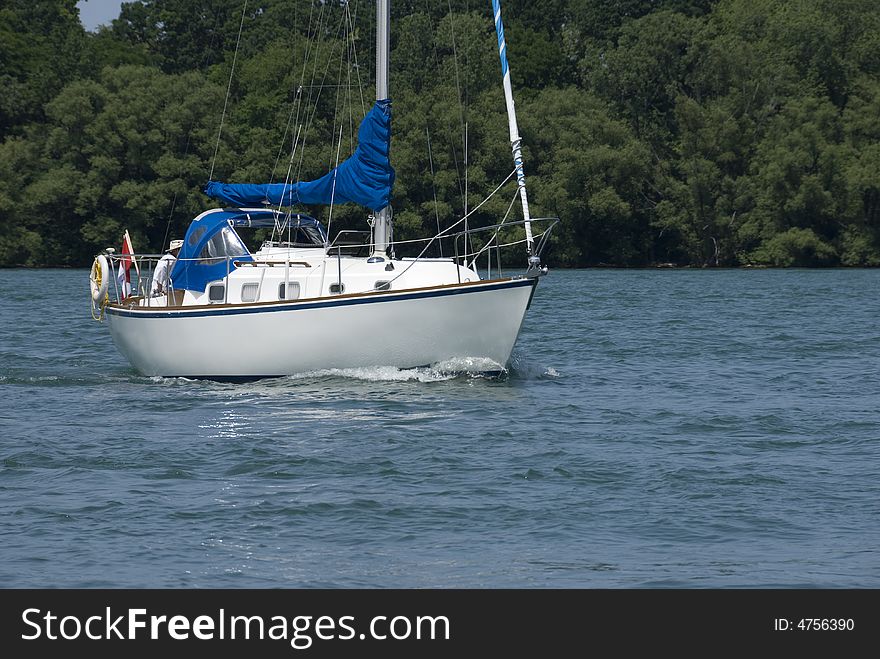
(653, 429)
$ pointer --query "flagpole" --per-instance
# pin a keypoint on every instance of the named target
(133, 259)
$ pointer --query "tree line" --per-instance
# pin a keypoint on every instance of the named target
(685, 132)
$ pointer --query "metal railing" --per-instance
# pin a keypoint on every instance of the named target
(469, 246)
(494, 244)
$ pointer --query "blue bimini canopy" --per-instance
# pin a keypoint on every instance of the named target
(365, 178)
(211, 247)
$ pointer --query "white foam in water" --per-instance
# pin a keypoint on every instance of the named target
(475, 365)
(375, 374)
(439, 372)
(170, 380)
(446, 370)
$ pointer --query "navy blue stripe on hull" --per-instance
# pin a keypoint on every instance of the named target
(294, 306)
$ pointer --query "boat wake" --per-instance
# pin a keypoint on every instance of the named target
(442, 371)
(468, 368)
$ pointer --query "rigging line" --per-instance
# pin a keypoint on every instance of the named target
(472, 211)
(436, 65)
(168, 226)
(357, 67)
(434, 186)
(449, 228)
(314, 110)
(516, 242)
(345, 56)
(297, 92)
(350, 51)
(346, 86)
(494, 237)
(280, 205)
(312, 43)
(344, 59)
(192, 122)
(174, 198)
(460, 105)
(458, 176)
(228, 90)
(293, 150)
(320, 87)
(342, 52)
(333, 189)
(290, 121)
(433, 31)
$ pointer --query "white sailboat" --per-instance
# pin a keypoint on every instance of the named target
(302, 302)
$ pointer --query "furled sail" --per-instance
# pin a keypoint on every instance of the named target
(365, 178)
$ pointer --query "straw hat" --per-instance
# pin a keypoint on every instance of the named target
(175, 244)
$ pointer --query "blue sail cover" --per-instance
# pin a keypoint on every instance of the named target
(365, 178)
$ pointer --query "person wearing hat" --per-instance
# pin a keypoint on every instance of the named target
(162, 273)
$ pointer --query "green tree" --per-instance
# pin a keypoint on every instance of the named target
(588, 169)
(860, 241)
(41, 43)
(799, 188)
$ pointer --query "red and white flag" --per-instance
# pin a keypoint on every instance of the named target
(124, 276)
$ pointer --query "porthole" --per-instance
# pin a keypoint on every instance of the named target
(292, 293)
(249, 291)
(216, 293)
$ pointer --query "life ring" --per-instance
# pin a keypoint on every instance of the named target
(99, 279)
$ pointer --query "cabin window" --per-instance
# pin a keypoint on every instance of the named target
(292, 293)
(225, 244)
(337, 288)
(216, 293)
(249, 291)
(382, 286)
(195, 236)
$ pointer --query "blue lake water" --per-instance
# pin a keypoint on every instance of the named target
(657, 429)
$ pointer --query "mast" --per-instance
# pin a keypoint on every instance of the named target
(514, 129)
(382, 225)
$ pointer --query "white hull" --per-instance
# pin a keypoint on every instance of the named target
(305, 303)
(404, 329)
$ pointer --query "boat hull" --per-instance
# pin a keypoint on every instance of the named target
(477, 321)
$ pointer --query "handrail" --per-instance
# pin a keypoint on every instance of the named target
(497, 228)
(554, 221)
(462, 256)
(260, 264)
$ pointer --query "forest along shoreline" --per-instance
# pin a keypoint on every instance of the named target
(686, 133)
